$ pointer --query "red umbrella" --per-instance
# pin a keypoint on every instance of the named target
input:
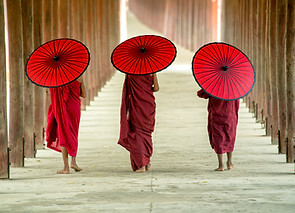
(57, 62)
(143, 55)
(223, 71)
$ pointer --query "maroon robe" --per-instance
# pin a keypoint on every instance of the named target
(64, 118)
(222, 123)
(137, 119)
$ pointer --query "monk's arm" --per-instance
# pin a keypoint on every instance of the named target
(202, 94)
(156, 83)
(83, 90)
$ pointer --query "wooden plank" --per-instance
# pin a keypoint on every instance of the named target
(281, 71)
(4, 164)
(290, 68)
(16, 75)
(27, 21)
(38, 91)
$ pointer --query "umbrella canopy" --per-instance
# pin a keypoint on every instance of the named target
(223, 71)
(143, 54)
(57, 62)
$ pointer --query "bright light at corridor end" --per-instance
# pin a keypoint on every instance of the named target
(123, 20)
(219, 3)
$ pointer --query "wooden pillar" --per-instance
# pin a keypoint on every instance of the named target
(27, 23)
(55, 19)
(268, 85)
(47, 35)
(16, 78)
(89, 74)
(273, 69)
(38, 91)
(100, 68)
(94, 62)
(63, 30)
(4, 164)
(260, 94)
(281, 71)
(290, 67)
(105, 44)
(74, 19)
(82, 38)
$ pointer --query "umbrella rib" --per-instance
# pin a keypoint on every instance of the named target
(67, 69)
(150, 41)
(219, 76)
(48, 52)
(229, 58)
(230, 87)
(216, 53)
(132, 61)
(43, 52)
(216, 77)
(237, 62)
(45, 74)
(207, 79)
(239, 76)
(207, 62)
(38, 68)
(159, 59)
(234, 79)
(227, 55)
(125, 60)
(211, 56)
(207, 71)
(127, 63)
(220, 54)
(50, 72)
(60, 70)
(136, 63)
(63, 46)
(68, 63)
(223, 87)
(234, 57)
(39, 77)
(152, 61)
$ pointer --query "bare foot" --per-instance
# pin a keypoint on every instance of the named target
(76, 168)
(64, 171)
(142, 169)
(148, 167)
(219, 169)
(230, 166)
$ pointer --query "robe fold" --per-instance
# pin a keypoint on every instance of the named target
(222, 123)
(137, 119)
(63, 118)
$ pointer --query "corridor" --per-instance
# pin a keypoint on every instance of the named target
(182, 178)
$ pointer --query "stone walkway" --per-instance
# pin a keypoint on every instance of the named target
(182, 177)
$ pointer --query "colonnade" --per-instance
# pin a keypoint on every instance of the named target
(29, 24)
(263, 29)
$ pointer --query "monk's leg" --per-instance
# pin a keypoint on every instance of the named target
(142, 169)
(74, 165)
(148, 167)
(229, 161)
(66, 169)
(220, 163)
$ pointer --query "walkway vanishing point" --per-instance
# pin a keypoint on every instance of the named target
(182, 177)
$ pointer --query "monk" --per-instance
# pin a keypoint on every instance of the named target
(138, 119)
(63, 122)
(222, 126)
